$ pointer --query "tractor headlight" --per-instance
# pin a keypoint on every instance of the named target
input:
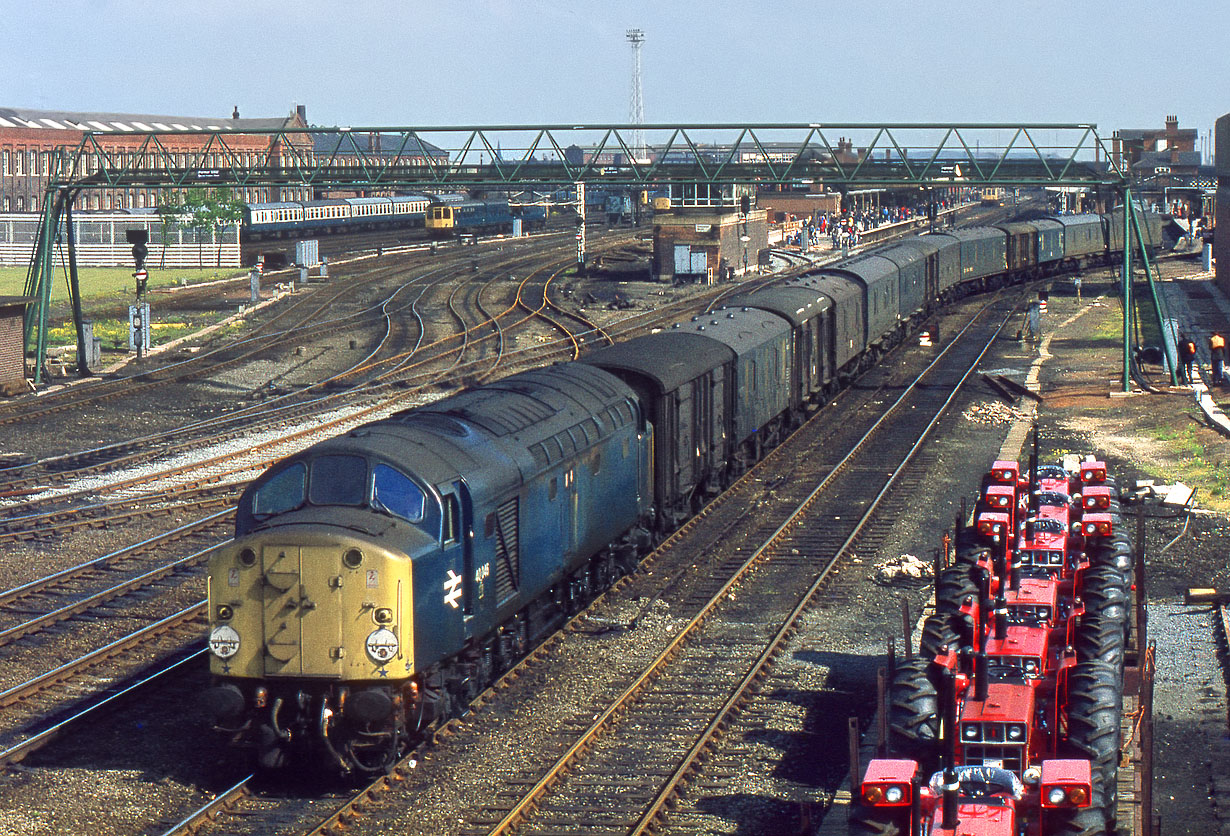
(1056, 796)
(1016, 732)
(382, 645)
(223, 641)
(969, 731)
(894, 794)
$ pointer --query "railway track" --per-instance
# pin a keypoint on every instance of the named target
(284, 426)
(656, 724)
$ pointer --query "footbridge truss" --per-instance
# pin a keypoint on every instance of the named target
(842, 156)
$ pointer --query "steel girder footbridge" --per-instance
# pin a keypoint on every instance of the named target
(521, 158)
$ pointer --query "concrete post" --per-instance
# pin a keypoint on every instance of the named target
(92, 345)
(324, 266)
(254, 278)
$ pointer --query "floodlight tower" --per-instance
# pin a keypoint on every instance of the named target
(636, 111)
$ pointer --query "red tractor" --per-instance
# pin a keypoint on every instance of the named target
(1017, 690)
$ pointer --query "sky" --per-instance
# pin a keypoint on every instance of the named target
(1118, 64)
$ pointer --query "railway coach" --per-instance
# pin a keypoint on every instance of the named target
(270, 221)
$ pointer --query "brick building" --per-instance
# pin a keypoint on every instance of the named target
(30, 138)
(707, 246)
(12, 344)
(1129, 145)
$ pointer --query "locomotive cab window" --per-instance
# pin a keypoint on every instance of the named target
(338, 480)
(283, 492)
(394, 492)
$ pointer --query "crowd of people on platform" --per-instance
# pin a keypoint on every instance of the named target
(845, 229)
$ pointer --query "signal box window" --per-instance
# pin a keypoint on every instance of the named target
(284, 492)
(338, 480)
(393, 491)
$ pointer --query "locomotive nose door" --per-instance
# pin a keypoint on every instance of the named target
(303, 630)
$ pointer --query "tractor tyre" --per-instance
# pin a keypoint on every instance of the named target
(1102, 639)
(878, 821)
(937, 631)
(913, 713)
(952, 587)
(1109, 554)
(1076, 821)
(1095, 706)
(1105, 592)
(967, 538)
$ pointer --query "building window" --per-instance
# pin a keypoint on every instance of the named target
(17, 165)
(21, 204)
(34, 163)
(4, 162)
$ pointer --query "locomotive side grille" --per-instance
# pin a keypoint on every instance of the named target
(507, 551)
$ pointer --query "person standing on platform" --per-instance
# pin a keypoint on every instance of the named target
(1217, 356)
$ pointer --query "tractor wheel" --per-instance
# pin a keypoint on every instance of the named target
(1077, 821)
(1109, 554)
(1100, 638)
(952, 587)
(1095, 703)
(878, 821)
(1105, 592)
(938, 630)
(913, 713)
(967, 538)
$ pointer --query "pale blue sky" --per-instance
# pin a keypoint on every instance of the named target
(1124, 63)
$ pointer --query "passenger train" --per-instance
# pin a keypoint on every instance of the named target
(379, 580)
(443, 216)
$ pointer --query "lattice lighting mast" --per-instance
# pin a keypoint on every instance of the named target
(636, 110)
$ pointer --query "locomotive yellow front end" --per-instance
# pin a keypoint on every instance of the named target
(311, 645)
